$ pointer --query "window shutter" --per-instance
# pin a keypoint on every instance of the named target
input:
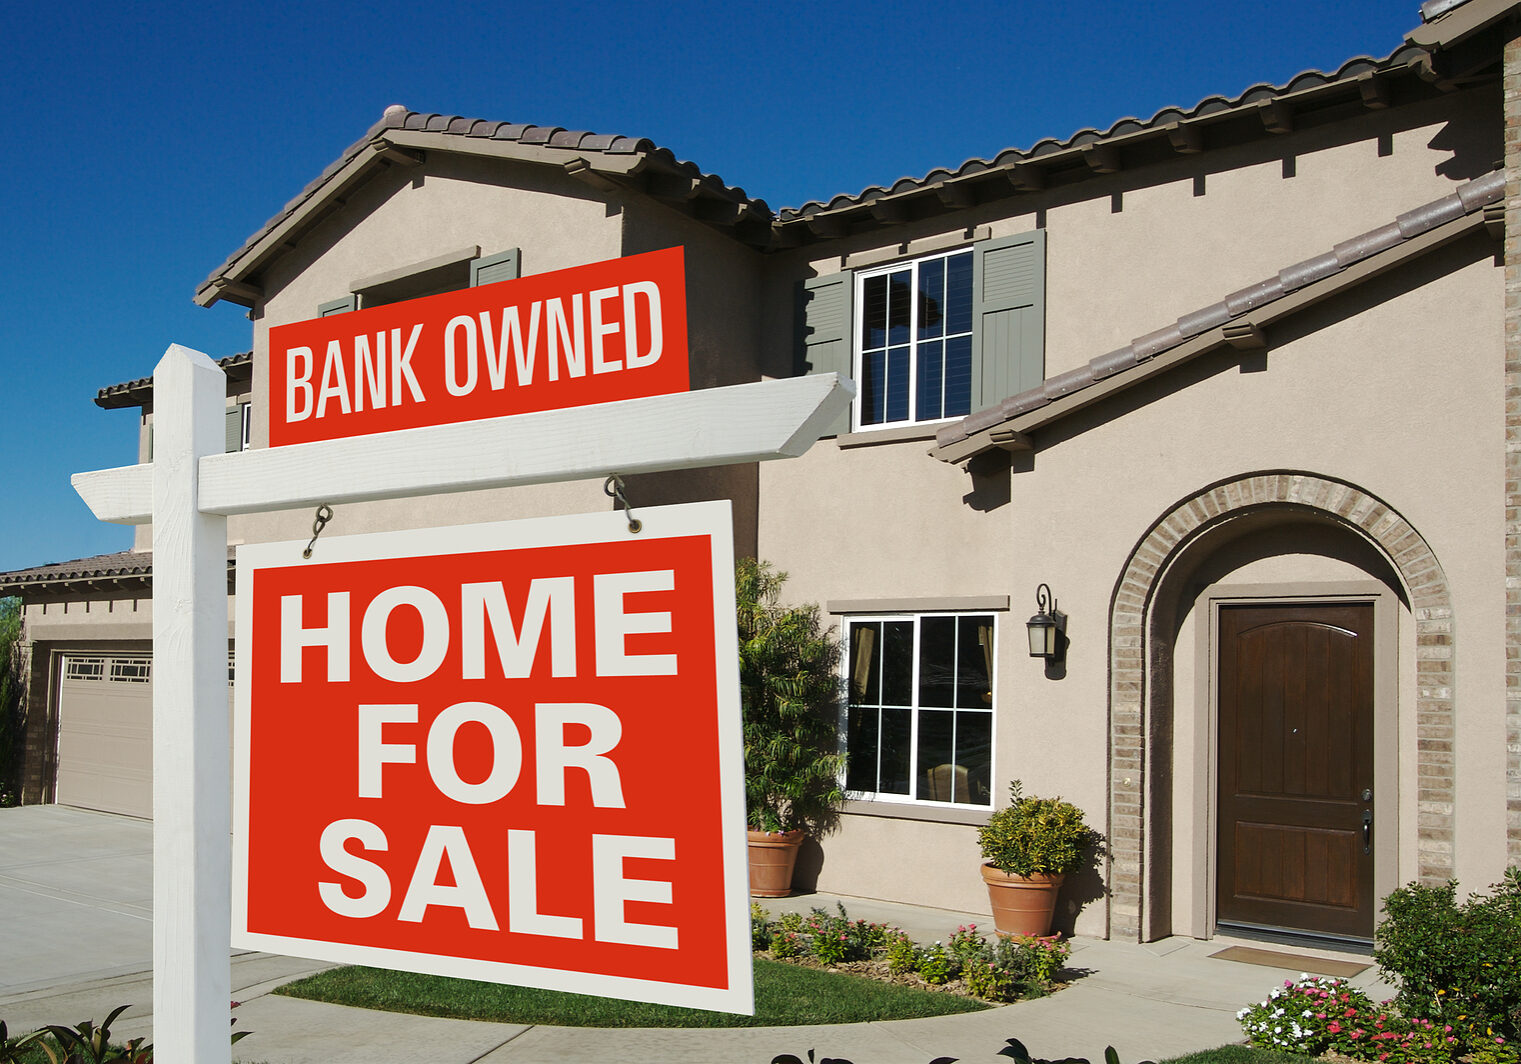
(1009, 314)
(503, 266)
(338, 306)
(825, 323)
(234, 428)
(150, 441)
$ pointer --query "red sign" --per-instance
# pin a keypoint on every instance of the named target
(506, 752)
(591, 334)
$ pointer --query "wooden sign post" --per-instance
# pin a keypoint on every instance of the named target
(189, 490)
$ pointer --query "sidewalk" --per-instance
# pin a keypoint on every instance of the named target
(1149, 1001)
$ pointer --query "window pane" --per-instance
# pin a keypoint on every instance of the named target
(931, 367)
(861, 734)
(958, 377)
(974, 752)
(873, 312)
(897, 385)
(897, 727)
(937, 661)
(974, 670)
(937, 761)
(865, 653)
(873, 386)
(931, 299)
(958, 293)
(898, 665)
(900, 305)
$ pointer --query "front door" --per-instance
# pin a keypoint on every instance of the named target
(1295, 809)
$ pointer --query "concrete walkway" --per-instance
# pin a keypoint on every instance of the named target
(75, 942)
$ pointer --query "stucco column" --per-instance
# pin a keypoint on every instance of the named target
(1512, 82)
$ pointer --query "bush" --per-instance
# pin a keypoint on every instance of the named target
(790, 693)
(10, 701)
(1458, 965)
(1316, 1014)
(1036, 836)
(902, 954)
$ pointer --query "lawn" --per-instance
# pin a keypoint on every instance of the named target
(785, 995)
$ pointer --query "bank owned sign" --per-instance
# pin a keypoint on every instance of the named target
(504, 751)
(598, 333)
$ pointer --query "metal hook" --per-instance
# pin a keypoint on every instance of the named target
(324, 515)
(613, 489)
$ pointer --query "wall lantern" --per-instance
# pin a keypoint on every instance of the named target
(1044, 635)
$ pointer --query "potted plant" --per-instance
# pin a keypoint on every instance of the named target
(1028, 849)
(790, 690)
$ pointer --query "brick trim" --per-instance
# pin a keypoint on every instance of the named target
(1512, 130)
(1131, 650)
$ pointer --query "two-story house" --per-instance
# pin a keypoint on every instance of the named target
(1235, 385)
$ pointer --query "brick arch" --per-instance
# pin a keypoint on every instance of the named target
(1130, 651)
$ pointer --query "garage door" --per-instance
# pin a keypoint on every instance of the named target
(105, 733)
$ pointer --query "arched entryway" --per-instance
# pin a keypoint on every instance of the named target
(1168, 566)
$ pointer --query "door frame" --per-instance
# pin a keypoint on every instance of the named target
(1386, 726)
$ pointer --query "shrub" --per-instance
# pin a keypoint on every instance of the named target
(1314, 1015)
(790, 692)
(760, 928)
(786, 944)
(937, 965)
(902, 954)
(1036, 836)
(1457, 965)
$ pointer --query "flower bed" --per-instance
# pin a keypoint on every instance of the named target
(969, 964)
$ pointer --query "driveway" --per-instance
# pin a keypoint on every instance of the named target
(76, 891)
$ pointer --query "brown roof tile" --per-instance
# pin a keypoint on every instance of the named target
(139, 391)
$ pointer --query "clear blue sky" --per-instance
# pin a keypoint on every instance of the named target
(149, 140)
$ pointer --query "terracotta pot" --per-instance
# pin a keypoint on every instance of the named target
(1021, 905)
(773, 855)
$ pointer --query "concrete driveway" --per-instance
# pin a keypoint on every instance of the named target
(76, 897)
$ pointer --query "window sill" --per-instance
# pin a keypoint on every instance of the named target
(902, 434)
(904, 811)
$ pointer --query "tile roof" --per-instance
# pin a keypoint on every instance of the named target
(122, 567)
(652, 161)
(1232, 315)
(1364, 77)
(138, 392)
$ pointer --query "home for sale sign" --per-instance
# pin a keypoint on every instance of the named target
(504, 751)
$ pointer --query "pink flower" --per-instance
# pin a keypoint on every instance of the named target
(1334, 1027)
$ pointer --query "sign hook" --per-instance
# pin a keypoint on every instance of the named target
(324, 515)
(613, 489)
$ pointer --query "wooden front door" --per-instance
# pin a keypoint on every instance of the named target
(1295, 812)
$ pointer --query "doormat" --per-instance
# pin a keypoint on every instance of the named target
(1293, 962)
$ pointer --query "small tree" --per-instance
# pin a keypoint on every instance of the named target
(790, 688)
(10, 699)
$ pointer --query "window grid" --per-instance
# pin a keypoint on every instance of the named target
(131, 670)
(878, 704)
(913, 341)
(85, 669)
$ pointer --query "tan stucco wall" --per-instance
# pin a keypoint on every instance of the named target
(1396, 389)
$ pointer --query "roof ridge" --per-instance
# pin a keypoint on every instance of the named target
(1467, 198)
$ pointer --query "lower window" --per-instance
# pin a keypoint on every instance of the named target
(919, 723)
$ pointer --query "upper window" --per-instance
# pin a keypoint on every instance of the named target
(914, 341)
(931, 338)
(919, 720)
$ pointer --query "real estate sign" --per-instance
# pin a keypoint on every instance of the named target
(597, 333)
(504, 751)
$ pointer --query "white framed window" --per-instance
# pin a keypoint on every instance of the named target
(245, 413)
(918, 723)
(913, 340)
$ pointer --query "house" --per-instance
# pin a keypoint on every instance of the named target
(1231, 395)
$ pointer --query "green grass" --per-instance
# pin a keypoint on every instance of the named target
(785, 995)
(1240, 1055)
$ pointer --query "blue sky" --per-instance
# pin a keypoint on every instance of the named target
(148, 141)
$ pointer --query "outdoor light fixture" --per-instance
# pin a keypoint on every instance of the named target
(1042, 627)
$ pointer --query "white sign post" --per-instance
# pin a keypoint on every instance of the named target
(189, 490)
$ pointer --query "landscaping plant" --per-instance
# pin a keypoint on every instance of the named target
(1036, 836)
(1458, 965)
(790, 692)
(10, 700)
(1318, 1014)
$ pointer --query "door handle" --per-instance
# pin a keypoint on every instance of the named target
(1367, 831)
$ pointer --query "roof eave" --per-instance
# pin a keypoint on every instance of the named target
(1014, 432)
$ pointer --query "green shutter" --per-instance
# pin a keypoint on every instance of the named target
(150, 441)
(234, 428)
(338, 306)
(824, 323)
(503, 266)
(1009, 316)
